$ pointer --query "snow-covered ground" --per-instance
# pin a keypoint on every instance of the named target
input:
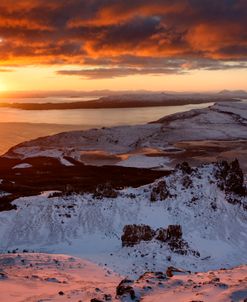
(222, 121)
(22, 166)
(59, 278)
(207, 202)
(85, 226)
(214, 286)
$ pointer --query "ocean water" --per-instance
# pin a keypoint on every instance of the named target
(93, 117)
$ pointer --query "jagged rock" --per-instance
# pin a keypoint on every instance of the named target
(235, 179)
(161, 235)
(230, 177)
(172, 236)
(174, 232)
(184, 167)
(125, 289)
(105, 190)
(159, 192)
(134, 234)
(187, 181)
(175, 241)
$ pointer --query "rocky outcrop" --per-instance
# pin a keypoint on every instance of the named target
(184, 167)
(172, 236)
(159, 191)
(176, 243)
(134, 234)
(124, 289)
(171, 271)
(187, 182)
(105, 190)
(230, 177)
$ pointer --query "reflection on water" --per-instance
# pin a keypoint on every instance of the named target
(94, 117)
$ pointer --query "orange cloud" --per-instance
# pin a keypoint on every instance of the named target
(77, 31)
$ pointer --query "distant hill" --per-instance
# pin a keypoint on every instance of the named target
(130, 100)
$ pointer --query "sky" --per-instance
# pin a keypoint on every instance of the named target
(180, 45)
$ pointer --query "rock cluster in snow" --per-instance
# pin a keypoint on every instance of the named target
(172, 236)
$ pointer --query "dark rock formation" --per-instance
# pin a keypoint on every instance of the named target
(187, 181)
(176, 243)
(105, 190)
(235, 179)
(161, 234)
(159, 192)
(230, 177)
(171, 270)
(124, 288)
(134, 234)
(174, 232)
(184, 167)
(172, 236)
(150, 276)
(3, 276)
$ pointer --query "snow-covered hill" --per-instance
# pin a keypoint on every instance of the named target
(208, 202)
(130, 145)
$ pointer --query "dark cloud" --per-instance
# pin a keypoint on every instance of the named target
(101, 73)
(171, 66)
(125, 36)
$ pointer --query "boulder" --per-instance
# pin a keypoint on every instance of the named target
(134, 234)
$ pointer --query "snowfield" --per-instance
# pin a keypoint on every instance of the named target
(58, 278)
(213, 221)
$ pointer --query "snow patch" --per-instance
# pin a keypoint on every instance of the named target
(22, 166)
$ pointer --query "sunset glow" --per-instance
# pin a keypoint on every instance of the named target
(123, 45)
(123, 146)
